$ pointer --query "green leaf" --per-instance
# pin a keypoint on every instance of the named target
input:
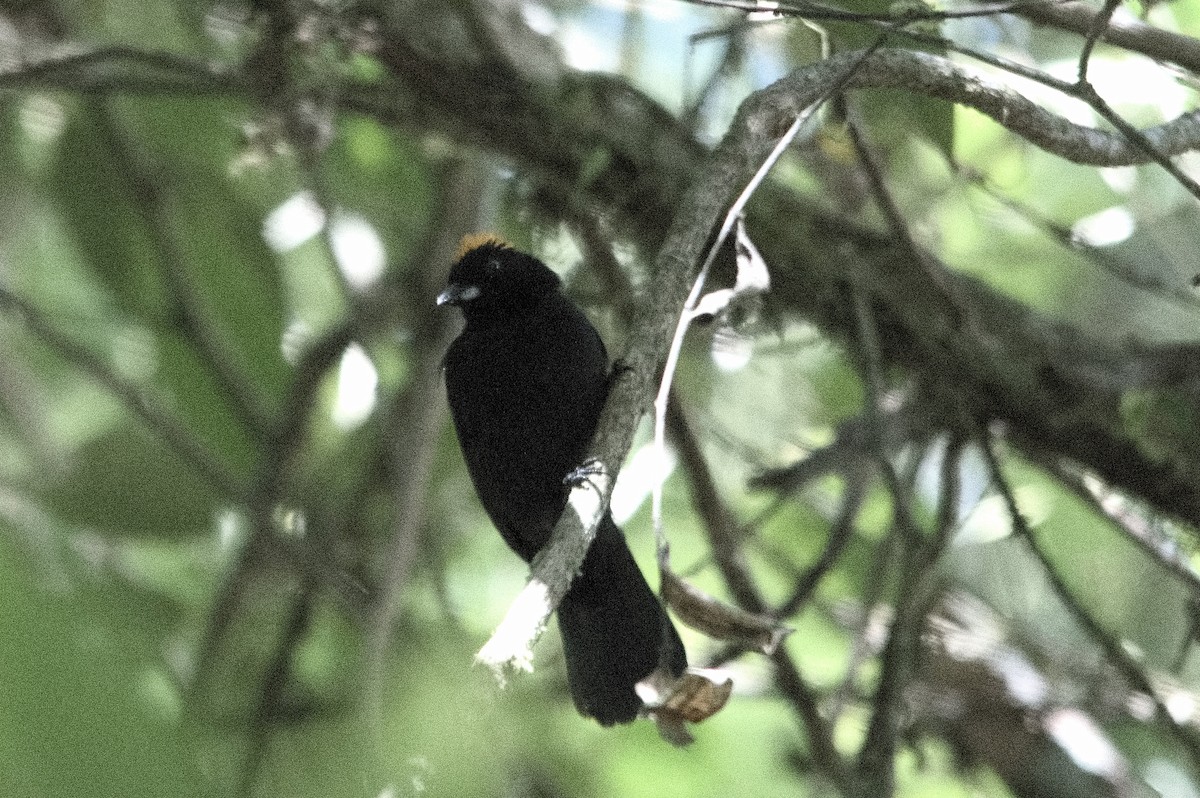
(234, 278)
(89, 706)
(894, 116)
(110, 231)
(126, 482)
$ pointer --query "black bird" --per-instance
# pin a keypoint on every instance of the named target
(526, 380)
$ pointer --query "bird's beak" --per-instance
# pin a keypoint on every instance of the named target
(457, 293)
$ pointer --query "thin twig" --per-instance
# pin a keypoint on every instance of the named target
(246, 405)
(270, 482)
(818, 11)
(1132, 524)
(1129, 34)
(1095, 31)
(891, 212)
(718, 525)
(1137, 138)
(1114, 652)
(274, 683)
(917, 555)
(875, 773)
(862, 643)
(108, 69)
(868, 337)
(417, 416)
(950, 480)
(840, 536)
(735, 48)
(899, 657)
(818, 728)
(1166, 288)
(117, 54)
(1066, 15)
(687, 314)
(135, 399)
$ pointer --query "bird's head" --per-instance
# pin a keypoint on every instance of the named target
(490, 276)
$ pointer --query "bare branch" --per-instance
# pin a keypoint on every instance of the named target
(1121, 31)
(933, 76)
(761, 120)
(839, 536)
(688, 313)
(134, 397)
(128, 70)
(1138, 138)
(1098, 25)
(1136, 525)
(1114, 652)
(720, 528)
(270, 481)
(417, 417)
(153, 203)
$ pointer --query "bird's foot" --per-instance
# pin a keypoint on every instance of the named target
(582, 475)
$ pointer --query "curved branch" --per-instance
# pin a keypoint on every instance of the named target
(1130, 669)
(139, 402)
(934, 76)
(126, 70)
(1120, 31)
(109, 69)
(761, 119)
(719, 527)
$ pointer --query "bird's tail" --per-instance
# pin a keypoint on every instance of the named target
(614, 630)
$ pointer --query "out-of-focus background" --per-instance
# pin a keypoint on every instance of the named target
(239, 553)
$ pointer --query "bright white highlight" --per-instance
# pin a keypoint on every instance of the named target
(644, 471)
(1084, 742)
(358, 250)
(229, 530)
(294, 221)
(357, 381)
(539, 18)
(1109, 226)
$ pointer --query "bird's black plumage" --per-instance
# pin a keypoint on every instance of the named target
(526, 380)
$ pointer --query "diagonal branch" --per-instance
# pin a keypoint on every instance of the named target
(126, 70)
(135, 399)
(1120, 31)
(761, 119)
(1098, 25)
(720, 530)
(153, 202)
(1114, 652)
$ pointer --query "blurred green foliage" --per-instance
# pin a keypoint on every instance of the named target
(133, 228)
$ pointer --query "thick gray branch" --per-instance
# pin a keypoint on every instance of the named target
(1122, 30)
(934, 76)
(761, 119)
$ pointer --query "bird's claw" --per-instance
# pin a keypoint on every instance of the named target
(582, 475)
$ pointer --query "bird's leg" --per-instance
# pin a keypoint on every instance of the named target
(582, 475)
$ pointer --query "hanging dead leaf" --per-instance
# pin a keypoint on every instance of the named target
(719, 620)
(674, 702)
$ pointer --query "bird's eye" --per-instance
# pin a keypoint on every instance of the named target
(493, 265)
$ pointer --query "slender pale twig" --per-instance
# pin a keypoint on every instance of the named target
(687, 314)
